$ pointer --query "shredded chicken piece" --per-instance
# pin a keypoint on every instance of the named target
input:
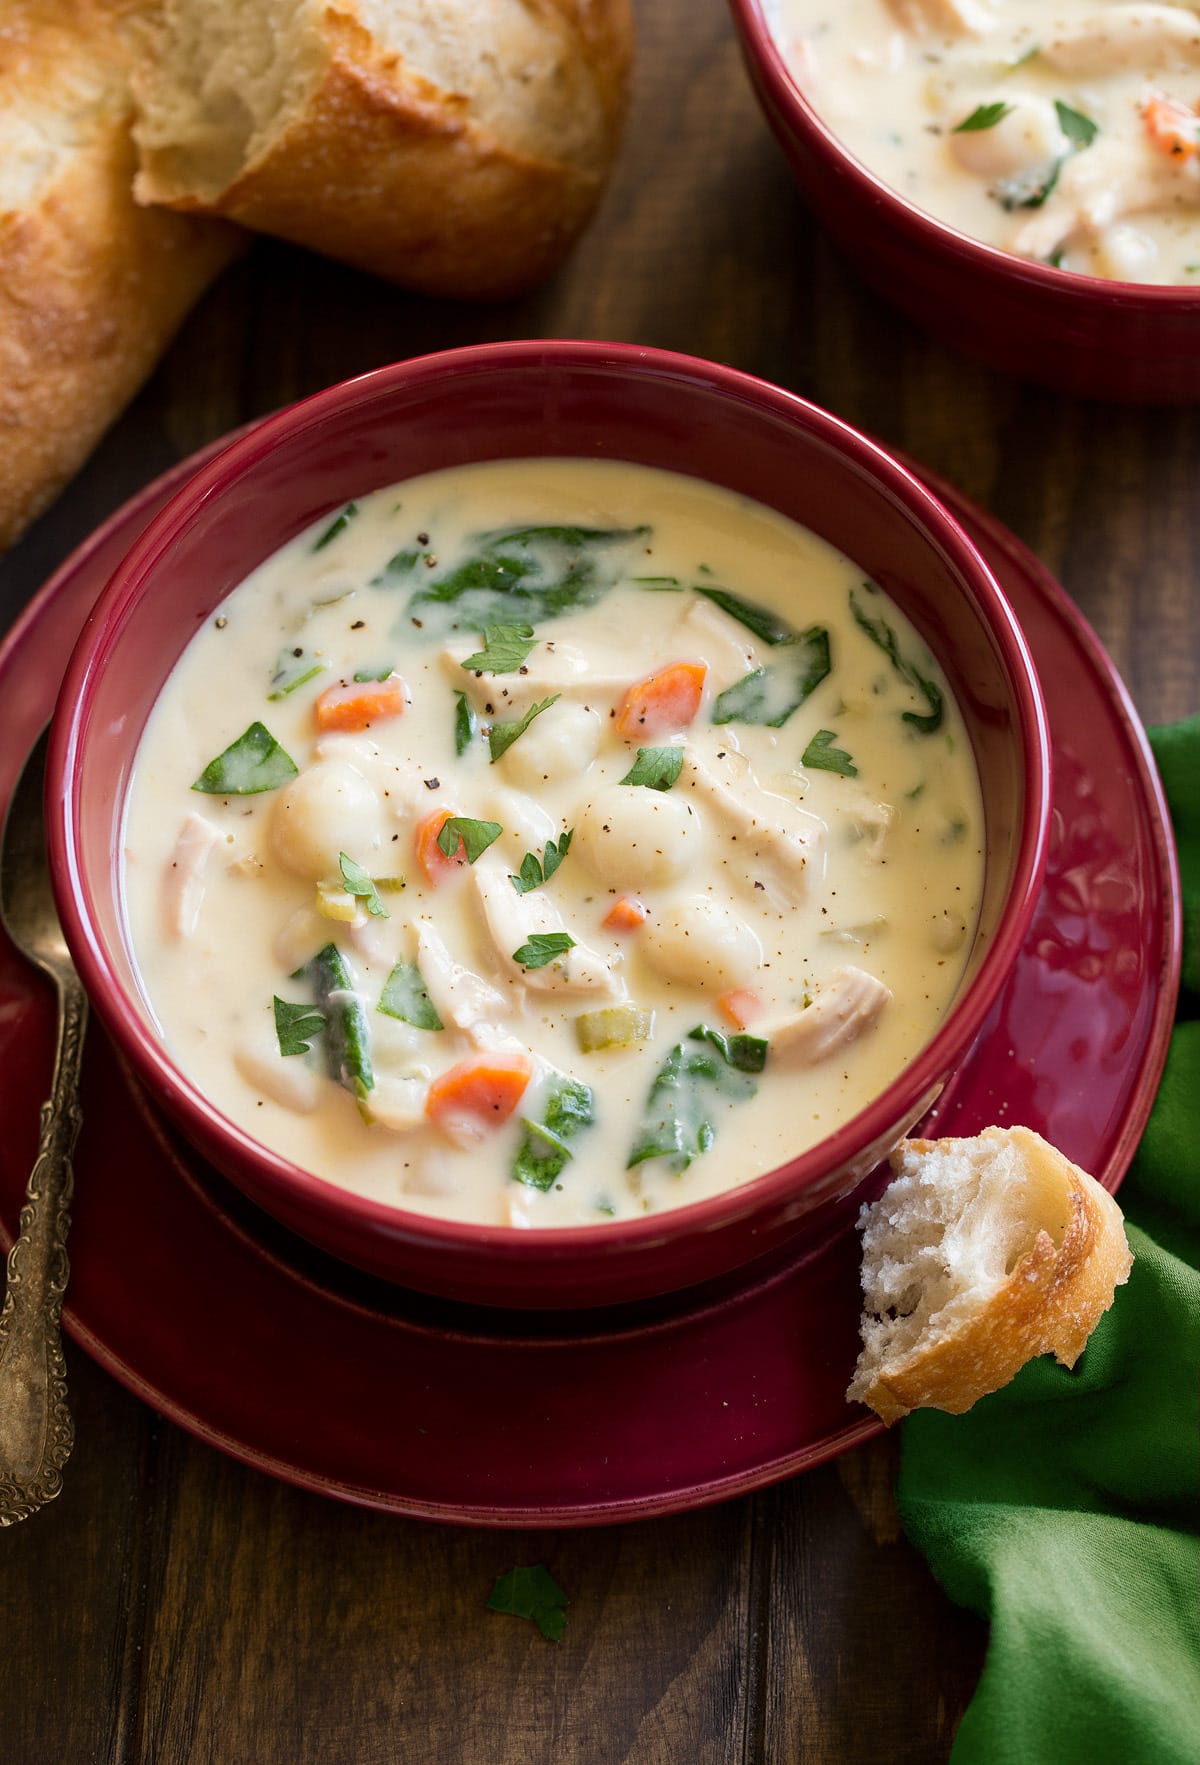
(513, 919)
(943, 18)
(460, 997)
(183, 891)
(848, 1003)
(397, 1102)
(1099, 187)
(290, 1081)
(551, 667)
(772, 831)
(1123, 37)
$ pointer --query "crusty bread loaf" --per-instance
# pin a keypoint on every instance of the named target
(91, 286)
(451, 147)
(980, 1255)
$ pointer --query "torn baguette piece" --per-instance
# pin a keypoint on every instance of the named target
(979, 1256)
(453, 148)
(92, 287)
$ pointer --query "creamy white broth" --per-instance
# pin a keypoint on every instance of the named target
(1087, 157)
(842, 905)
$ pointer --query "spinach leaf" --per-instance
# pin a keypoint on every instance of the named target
(339, 525)
(348, 1035)
(294, 666)
(535, 573)
(544, 1151)
(884, 638)
(760, 620)
(770, 695)
(465, 723)
(406, 997)
(254, 762)
(708, 1066)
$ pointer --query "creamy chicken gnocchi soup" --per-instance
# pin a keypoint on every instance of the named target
(548, 842)
(1060, 130)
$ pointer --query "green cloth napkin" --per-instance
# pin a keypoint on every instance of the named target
(1066, 1508)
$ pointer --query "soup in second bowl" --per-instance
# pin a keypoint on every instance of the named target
(1061, 130)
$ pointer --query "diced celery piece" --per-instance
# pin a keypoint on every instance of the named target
(616, 1026)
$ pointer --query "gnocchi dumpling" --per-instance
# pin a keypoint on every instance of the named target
(702, 943)
(568, 740)
(329, 808)
(634, 838)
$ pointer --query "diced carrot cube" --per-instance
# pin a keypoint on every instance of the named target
(740, 1006)
(479, 1093)
(355, 704)
(433, 861)
(663, 702)
(1173, 127)
(625, 915)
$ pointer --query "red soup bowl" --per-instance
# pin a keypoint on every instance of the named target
(1100, 339)
(521, 400)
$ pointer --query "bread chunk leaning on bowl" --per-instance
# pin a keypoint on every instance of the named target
(1099, 339)
(521, 401)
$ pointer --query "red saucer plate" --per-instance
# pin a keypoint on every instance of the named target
(301, 1367)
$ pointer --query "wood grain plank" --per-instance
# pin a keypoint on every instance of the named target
(285, 1627)
(866, 1660)
(70, 1587)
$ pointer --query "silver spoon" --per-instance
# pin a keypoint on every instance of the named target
(36, 1431)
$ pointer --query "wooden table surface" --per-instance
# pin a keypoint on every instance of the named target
(174, 1608)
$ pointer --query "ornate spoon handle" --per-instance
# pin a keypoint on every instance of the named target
(36, 1432)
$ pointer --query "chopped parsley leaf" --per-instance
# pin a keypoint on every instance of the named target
(534, 871)
(360, 883)
(476, 836)
(656, 769)
(505, 649)
(501, 736)
(296, 1025)
(821, 755)
(532, 1593)
(543, 947)
(1079, 129)
(984, 116)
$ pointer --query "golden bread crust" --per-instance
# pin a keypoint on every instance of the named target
(1049, 1304)
(92, 287)
(380, 167)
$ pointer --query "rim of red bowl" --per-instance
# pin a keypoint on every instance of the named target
(150, 1059)
(759, 39)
